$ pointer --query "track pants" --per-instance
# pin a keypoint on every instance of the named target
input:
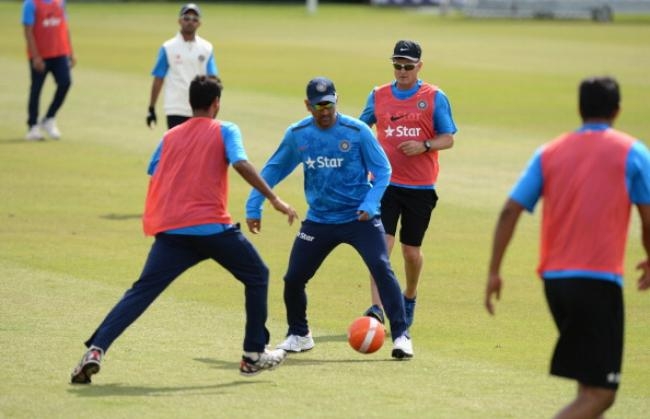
(60, 69)
(170, 256)
(312, 245)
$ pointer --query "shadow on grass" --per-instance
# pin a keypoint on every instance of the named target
(120, 217)
(312, 357)
(109, 390)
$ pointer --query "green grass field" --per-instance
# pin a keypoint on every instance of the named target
(71, 240)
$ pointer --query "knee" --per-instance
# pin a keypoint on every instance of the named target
(608, 399)
(412, 254)
(64, 85)
(602, 398)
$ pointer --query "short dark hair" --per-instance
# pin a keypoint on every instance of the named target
(203, 91)
(599, 97)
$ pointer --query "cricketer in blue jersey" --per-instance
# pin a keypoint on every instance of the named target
(337, 153)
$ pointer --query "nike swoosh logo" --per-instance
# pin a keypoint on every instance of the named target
(396, 117)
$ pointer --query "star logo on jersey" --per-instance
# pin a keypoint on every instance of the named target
(310, 163)
(389, 131)
(344, 145)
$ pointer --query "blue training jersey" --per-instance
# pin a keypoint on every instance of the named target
(235, 152)
(337, 162)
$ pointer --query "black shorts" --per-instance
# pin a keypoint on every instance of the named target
(413, 206)
(589, 315)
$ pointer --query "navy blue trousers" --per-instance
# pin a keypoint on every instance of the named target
(170, 256)
(312, 245)
(60, 69)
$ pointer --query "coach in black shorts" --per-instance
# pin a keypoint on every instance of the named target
(588, 178)
(413, 122)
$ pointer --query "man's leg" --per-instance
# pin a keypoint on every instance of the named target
(412, 268)
(367, 237)
(236, 254)
(310, 248)
(60, 68)
(590, 402)
(168, 258)
(36, 86)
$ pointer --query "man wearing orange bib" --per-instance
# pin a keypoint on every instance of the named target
(588, 178)
(413, 122)
(50, 51)
(186, 210)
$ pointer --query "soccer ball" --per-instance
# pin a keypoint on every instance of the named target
(366, 335)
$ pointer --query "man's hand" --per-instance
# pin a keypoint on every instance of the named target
(254, 225)
(39, 64)
(493, 287)
(284, 208)
(363, 216)
(151, 117)
(412, 148)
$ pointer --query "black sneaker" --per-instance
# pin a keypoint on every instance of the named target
(88, 366)
(266, 360)
(375, 312)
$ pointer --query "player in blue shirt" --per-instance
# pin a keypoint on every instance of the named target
(337, 153)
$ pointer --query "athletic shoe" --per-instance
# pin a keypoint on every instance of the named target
(34, 133)
(402, 347)
(296, 343)
(49, 126)
(375, 312)
(89, 365)
(266, 360)
(409, 310)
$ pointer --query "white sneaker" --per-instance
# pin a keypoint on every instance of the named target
(296, 343)
(34, 133)
(49, 125)
(253, 364)
(402, 347)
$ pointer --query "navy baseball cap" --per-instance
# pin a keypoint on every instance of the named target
(321, 89)
(407, 49)
(190, 7)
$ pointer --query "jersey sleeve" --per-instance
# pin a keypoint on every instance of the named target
(379, 166)
(443, 122)
(280, 165)
(368, 113)
(155, 158)
(211, 68)
(162, 65)
(528, 188)
(233, 142)
(637, 174)
(29, 13)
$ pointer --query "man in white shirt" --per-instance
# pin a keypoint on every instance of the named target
(180, 59)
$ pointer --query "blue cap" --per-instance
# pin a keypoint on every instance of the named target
(321, 89)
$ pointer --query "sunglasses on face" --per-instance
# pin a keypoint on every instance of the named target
(407, 67)
(324, 105)
(190, 18)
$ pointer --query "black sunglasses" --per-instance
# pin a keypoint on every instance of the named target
(407, 67)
